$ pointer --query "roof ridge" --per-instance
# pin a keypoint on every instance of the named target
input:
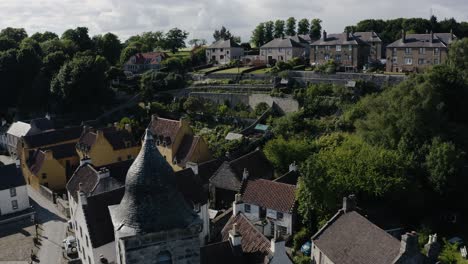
(328, 223)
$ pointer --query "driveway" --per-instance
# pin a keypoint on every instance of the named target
(53, 225)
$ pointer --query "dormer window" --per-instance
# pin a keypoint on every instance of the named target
(247, 208)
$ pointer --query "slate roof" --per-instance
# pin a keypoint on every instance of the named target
(221, 252)
(290, 177)
(11, 177)
(282, 43)
(269, 194)
(53, 137)
(151, 202)
(190, 185)
(349, 238)
(229, 174)
(19, 129)
(339, 39)
(147, 58)
(440, 40)
(116, 138)
(299, 39)
(42, 124)
(369, 36)
(253, 242)
(208, 168)
(220, 44)
(164, 128)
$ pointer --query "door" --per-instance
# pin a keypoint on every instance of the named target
(262, 212)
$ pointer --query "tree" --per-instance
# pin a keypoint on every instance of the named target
(458, 54)
(269, 28)
(9, 76)
(7, 43)
(175, 39)
(449, 254)
(80, 37)
(279, 29)
(291, 26)
(197, 42)
(258, 35)
(315, 28)
(303, 27)
(281, 152)
(127, 53)
(108, 46)
(16, 34)
(43, 37)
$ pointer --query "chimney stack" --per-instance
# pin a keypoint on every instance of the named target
(349, 203)
(432, 36)
(292, 167)
(451, 34)
(235, 237)
(403, 36)
(409, 243)
(324, 35)
(236, 204)
(193, 166)
(245, 174)
(85, 160)
(432, 248)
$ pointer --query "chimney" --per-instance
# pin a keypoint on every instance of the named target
(292, 167)
(82, 196)
(236, 204)
(103, 173)
(403, 36)
(349, 203)
(47, 116)
(193, 166)
(432, 248)
(234, 236)
(409, 244)
(245, 174)
(348, 35)
(432, 36)
(451, 34)
(324, 35)
(85, 160)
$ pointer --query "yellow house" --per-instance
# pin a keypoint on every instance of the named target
(176, 141)
(107, 145)
(49, 158)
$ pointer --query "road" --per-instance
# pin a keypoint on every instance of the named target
(53, 225)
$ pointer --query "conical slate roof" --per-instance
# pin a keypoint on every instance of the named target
(152, 202)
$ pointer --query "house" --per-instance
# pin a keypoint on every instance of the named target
(107, 145)
(346, 49)
(177, 142)
(242, 242)
(49, 158)
(13, 191)
(374, 41)
(350, 238)
(282, 49)
(418, 52)
(142, 62)
(19, 129)
(304, 40)
(93, 189)
(269, 205)
(227, 181)
(223, 52)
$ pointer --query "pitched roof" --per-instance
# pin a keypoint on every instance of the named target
(229, 175)
(290, 177)
(147, 58)
(224, 44)
(42, 124)
(53, 137)
(208, 168)
(349, 238)
(36, 161)
(253, 241)
(62, 151)
(11, 177)
(340, 39)
(164, 128)
(186, 149)
(369, 36)
(269, 194)
(117, 138)
(152, 202)
(299, 39)
(190, 185)
(221, 252)
(438, 40)
(19, 129)
(282, 43)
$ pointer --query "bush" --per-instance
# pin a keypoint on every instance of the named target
(301, 260)
(300, 238)
(261, 108)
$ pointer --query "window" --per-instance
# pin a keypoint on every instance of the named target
(394, 51)
(81, 232)
(338, 57)
(221, 50)
(436, 51)
(270, 50)
(164, 258)
(44, 176)
(408, 61)
(280, 49)
(221, 57)
(408, 50)
(282, 230)
(87, 241)
(247, 208)
(12, 192)
(436, 61)
(350, 58)
(89, 260)
(422, 50)
(327, 57)
(279, 215)
(227, 52)
(338, 47)
(420, 61)
(350, 47)
(327, 47)
(395, 60)
(14, 204)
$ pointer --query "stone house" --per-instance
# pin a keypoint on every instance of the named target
(418, 52)
(346, 49)
(107, 145)
(375, 43)
(349, 237)
(282, 49)
(177, 142)
(223, 52)
(13, 191)
(49, 158)
(142, 62)
(269, 205)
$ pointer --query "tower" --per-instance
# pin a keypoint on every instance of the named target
(153, 223)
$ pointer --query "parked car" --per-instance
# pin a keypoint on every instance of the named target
(456, 240)
(69, 246)
(305, 249)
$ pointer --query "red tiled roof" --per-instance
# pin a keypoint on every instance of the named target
(269, 194)
(253, 241)
(161, 127)
(147, 58)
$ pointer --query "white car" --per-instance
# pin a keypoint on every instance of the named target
(69, 245)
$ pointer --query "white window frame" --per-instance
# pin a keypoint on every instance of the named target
(13, 192)
(338, 47)
(14, 204)
(408, 61)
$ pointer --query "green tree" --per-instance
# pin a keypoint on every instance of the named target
(175, 39)
(224, 34)
(281, 152)
(458, 54)
(7, 43)
(449, 254)
(291, 26)
(315, 28)
(279, 29)
(258, 35)
(127, 53)
(303, 27)
(43, 37)
(108, 46)
(80, 37)
(197, 42)
(269, 31)
(16, 34)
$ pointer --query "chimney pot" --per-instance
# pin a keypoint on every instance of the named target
(349, 203)
(409, 243)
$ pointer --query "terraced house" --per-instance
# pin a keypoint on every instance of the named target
(223, 51)
(348, 50)
(417, 52)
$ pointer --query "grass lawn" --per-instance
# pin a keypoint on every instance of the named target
(206, 70)
(234, 70)
(261, 71)
(180, 53)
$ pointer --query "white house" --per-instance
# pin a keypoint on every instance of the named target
(269, 205)
(223, 51)
(14, 133)
(13, 191)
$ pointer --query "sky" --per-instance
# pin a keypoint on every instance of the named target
(201, 17)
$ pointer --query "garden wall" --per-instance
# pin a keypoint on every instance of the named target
(342, 78)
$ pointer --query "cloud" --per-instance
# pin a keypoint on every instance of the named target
(202, 17)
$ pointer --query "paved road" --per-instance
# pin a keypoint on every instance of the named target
(54, 228)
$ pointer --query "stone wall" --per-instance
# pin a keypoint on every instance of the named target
(342, 78)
